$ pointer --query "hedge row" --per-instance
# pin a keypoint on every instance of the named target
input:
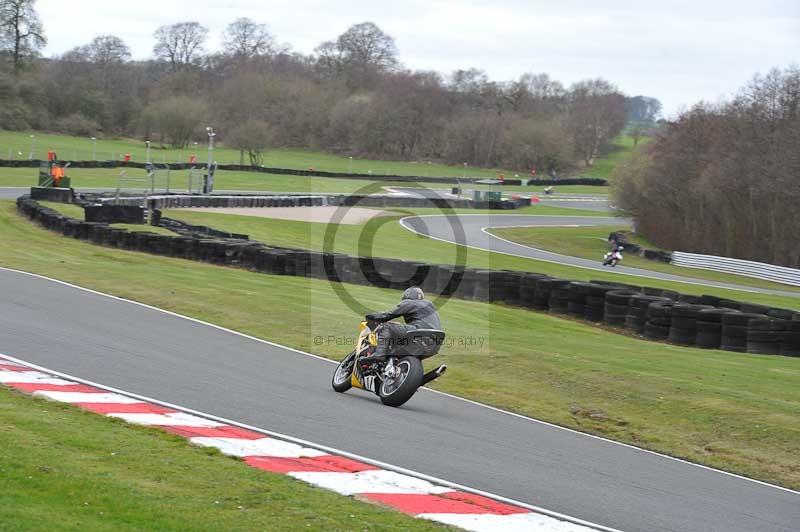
(591, 181)
(705, 321)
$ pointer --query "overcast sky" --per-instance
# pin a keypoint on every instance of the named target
(678, 51)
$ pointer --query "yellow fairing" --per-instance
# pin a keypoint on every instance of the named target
(373, 340)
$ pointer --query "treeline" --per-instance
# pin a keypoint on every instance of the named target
(351, 96)
(724, 179)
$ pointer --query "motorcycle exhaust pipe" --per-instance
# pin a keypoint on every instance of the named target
(434, 374)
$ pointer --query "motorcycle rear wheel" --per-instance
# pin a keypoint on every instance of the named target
(341, 377)
(395, 392)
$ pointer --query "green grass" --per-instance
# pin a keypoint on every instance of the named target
(591, 243)
(384, 237)
(179, 180)
(735, 411)
(227, 180)
(18, 145)
(621, 149)
(143, 228)
(67, 209)
(65, 469)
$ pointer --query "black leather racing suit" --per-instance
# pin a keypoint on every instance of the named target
(417, 313)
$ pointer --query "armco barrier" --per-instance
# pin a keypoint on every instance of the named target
(759, 270)
(644, 311)
(591, 181)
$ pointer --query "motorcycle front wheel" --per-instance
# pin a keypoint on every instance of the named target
(397, 390)
(341, 377)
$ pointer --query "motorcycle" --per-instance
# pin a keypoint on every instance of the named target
(612, 258)
(397, 378)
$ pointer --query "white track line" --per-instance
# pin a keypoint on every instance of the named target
(343, 453)
(484, 230)
(213, 420)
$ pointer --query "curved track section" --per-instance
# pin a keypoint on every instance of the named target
(476, 236)
(182, 361)
(592, 202)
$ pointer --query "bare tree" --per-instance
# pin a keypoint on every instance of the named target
(105, 53)
(471, 80)
(474, 138)
(245, 39)
(643, 109)
(21, 30)
(107, 50)
(473, 90)
(360, 54)
(722, 179)
(637, 131)
(180, 44)
(596, 115)
(254, 137)
(543, 97)
(177, 119)
(533, 144)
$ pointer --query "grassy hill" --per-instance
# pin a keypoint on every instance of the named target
(16, 145)
(20, 146)
(622, 148)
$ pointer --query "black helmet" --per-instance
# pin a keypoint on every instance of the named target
(413, 292)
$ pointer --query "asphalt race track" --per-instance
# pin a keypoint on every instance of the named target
(12, 193)
(173, 359)
(180, 361)
(473, 225)
(593, 202)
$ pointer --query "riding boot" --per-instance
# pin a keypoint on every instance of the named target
(380, 353)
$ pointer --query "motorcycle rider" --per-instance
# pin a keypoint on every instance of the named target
(418, 313)
(614, 254)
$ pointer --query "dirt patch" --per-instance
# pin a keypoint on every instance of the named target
(346, 215)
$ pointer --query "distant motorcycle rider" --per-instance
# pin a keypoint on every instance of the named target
(614, 256)
(418, 313)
